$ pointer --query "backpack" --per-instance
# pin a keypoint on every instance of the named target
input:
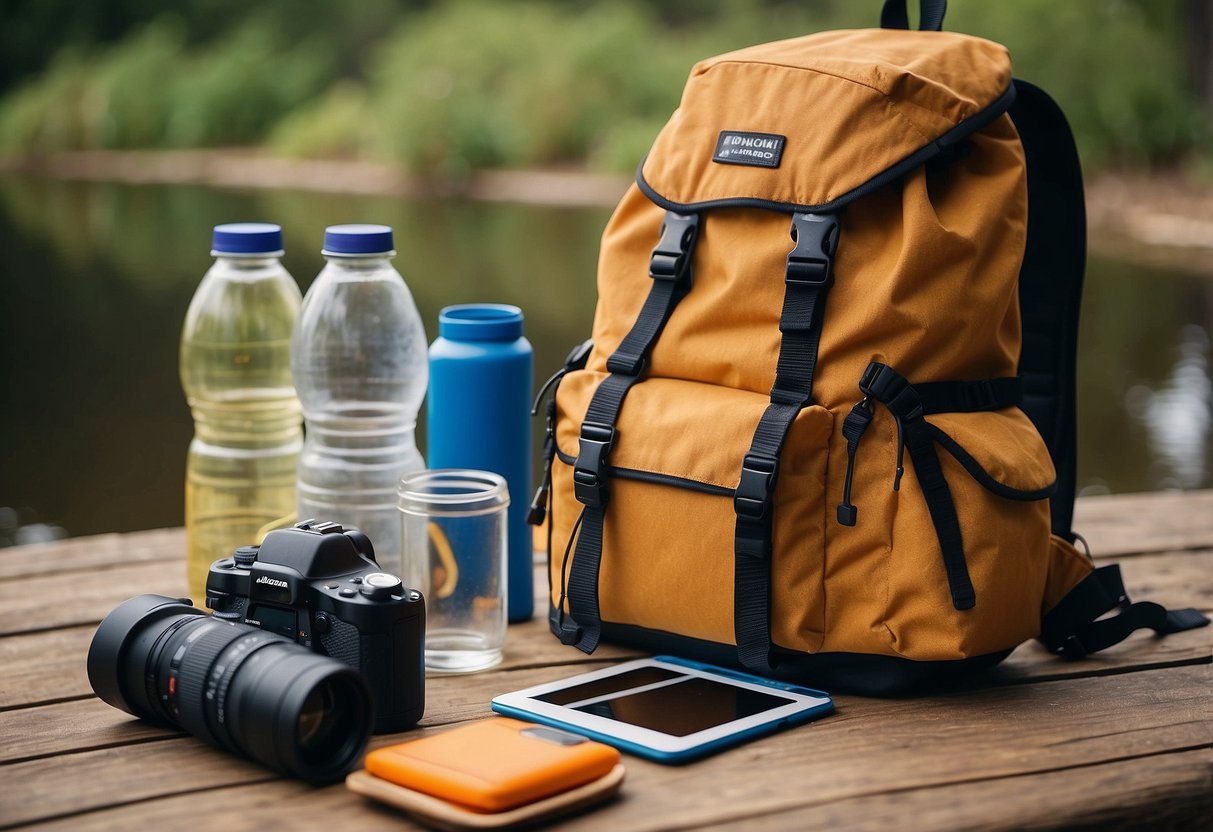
(825, 426)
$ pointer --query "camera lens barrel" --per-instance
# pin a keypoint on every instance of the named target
(241, 688)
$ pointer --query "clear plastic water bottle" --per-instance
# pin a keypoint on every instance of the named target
(358, 359)
(235, 369)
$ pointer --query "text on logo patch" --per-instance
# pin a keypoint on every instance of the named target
(762, 150)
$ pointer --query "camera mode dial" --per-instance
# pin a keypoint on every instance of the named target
(380, 586)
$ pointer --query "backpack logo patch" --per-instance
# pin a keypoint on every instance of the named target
(763, 150)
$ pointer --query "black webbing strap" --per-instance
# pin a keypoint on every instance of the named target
(1074, 628)
(670, 269)
(970, 396)
(807, 279)
(890, 388)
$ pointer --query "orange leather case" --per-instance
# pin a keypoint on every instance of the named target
(492, 766)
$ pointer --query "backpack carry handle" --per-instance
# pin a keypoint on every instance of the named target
(893, 15)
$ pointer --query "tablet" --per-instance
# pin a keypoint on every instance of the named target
(667, 709)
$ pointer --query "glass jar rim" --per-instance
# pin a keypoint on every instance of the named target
(452, 490)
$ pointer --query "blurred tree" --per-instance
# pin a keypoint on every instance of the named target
(451, 85)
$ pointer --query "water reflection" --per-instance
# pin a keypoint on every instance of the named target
(1176, 416)
(95, 280)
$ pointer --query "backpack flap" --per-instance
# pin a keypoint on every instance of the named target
(813, 123)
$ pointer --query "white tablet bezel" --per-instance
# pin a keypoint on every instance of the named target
(525, 701)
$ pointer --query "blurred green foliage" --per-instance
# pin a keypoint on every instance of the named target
(449, 87)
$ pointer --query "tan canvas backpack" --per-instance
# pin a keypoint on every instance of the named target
(826, 426)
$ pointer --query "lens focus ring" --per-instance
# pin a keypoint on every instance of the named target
(201, 650)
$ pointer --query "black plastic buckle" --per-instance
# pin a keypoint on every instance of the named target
(626, 364)
(589, 471)
(671, 258)
(565, 628)
(811, 262)
(752, 499)
(881, 382)
(889, 387)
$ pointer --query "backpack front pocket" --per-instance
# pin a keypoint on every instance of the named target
(962, 492)
(668, 555)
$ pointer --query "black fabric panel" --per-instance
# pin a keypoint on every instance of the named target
(1050, 286)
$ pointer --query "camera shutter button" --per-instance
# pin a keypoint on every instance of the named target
(380, 586)
(245, 556)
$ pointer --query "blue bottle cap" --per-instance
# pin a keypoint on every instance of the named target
(357, 239)
(247, 238)
(480, 322)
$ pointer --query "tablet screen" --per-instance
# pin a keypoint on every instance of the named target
(664, 700)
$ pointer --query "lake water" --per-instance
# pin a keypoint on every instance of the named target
(96, 278)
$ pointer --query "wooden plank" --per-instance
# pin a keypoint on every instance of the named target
(75, 782)
(1174, 579)
(71, 727)
(93, 724)
(1163, 793)
(870, 747)
(1174, 791)
(44, 667)
(255, 807)
(47, 602)
(48, 666)
(108, 744)
(1119, 525)
(89, 553)
(1114, 525)
(85, 724)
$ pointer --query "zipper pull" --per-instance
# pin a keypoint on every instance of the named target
(538, 508)
(853, 428)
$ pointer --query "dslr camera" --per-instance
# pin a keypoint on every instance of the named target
(318, 585)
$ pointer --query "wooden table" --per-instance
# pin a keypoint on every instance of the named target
(1122, 740)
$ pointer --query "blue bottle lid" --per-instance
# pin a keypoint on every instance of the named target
(247, 238)
(357, 240)
(480, 322)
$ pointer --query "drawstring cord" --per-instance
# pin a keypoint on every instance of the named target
(853, 429)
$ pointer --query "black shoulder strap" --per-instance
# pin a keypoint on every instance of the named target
(1050, 294)
(893, 15)
(1050, 286)
(1079, 624)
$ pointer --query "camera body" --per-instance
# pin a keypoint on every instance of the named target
(318, 584)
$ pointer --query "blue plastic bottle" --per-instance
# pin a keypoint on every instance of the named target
(481, 372)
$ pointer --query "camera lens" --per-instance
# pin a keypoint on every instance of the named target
(323, 723)
(241, 688)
